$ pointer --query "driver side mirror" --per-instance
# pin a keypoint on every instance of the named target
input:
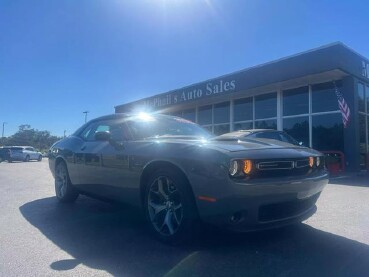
(103, 136)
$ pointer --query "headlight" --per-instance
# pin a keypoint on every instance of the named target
(239, 168)
(233, 168)
(247, 167)
(311, 161)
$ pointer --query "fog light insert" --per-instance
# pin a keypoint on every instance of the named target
(236, 217)
(233, 168)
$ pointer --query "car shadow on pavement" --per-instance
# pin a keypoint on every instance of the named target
(114, 239)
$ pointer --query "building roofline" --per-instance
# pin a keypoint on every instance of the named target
(333, 44)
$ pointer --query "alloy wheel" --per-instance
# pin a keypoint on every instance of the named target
(61, 181)
(165, 206)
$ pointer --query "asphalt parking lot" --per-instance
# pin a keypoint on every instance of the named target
(40, 237)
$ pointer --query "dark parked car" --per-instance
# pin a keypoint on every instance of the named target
(5, 154)
(261, 134)
(168, 167)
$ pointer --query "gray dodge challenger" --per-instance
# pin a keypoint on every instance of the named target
(179, 175)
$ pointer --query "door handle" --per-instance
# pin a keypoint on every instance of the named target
(83, 147)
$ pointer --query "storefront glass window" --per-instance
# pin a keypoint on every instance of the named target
(242, 126)
(242, 109)
(361, 94)
(205, 115)
(221, 129)
(367, 99)
(221, 113)
(189, 115)
(367, 150)
(362, 136)
(362, 133)
(298, 128)
(328, 132)
(266, 124)
(324, 97)
(266, 105)
(296, 101)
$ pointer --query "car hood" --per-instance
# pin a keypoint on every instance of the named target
(232, 145)
(248, 144)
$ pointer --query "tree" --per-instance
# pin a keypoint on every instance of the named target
(27, 136)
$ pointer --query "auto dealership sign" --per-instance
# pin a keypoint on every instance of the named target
(200, 91)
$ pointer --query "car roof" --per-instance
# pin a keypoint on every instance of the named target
(119, 116)
(125, 115)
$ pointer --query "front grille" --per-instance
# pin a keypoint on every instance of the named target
(274, 165)
(281, 168)
(302, 163)
(286, 209)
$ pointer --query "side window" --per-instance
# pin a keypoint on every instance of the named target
(102, 128)
(99, 127)
(86, 132)
(118, 131)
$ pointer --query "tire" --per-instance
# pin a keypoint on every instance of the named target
(64, 190)
(39, 158)
(170, 208)
(26, 159)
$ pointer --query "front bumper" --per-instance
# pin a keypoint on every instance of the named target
(263, 204)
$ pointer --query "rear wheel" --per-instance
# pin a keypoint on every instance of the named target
(26, 159)
(64, 190)
(170, 208)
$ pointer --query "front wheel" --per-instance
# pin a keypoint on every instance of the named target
(170, 208)
(64, 190)
(39, 158)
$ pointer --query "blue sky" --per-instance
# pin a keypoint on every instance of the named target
(60, 58)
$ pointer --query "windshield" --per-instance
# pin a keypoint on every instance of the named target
(281, 136)
(289, 139)
(165, 126)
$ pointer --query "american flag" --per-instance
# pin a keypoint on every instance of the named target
(344, 108)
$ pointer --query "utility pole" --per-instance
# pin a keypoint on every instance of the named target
(65, 132)
(3, 128)
(86, 112)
